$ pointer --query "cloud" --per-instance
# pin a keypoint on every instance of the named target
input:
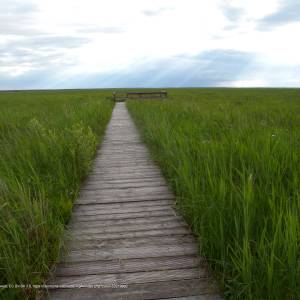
(38, 53)
(100, 29)
(232, 13)
(92, 44)
(35, 79)
(209, 68)
(288, 12)
(225, 62)
(212, 68)
(155, 12)
(17, 18)
(49, 42)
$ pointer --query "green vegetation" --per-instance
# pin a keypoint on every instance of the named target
(47, 142)
(232, 158)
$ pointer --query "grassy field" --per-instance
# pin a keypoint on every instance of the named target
(232, 157)
(47, 143)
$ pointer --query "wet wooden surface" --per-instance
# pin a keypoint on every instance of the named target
(125, 235)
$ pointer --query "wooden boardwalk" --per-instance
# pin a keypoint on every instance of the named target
(125, 233)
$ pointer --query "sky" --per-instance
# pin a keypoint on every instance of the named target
(149, 43)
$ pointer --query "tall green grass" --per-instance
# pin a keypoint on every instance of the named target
(233, 159)
(47, 142)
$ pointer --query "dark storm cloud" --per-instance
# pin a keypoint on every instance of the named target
(288, 12)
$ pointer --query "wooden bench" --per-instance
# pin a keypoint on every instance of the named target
(118, 97)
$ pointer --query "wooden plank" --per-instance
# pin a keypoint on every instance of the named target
(121, 199)
(133, 191)
(121, 210)
(122, 222)
(131, 242)
(121, 181)
(121, 205)
(126, 196)
(127, 253)
(133, 167)
(127, 265)
(125, 176)
(130, 168)
(166, 211)
(127, 228)
(98, 186)
(133, 234)
(126, 163)
(126, 173)
(147, 291)
(122, 158)
(132, 278)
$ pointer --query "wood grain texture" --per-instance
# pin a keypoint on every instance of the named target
(127, 265)
(124, 230)
(132, 234)
(132, 277)
(122, 222)
(128, 253)
(74, 244)
(152, 290)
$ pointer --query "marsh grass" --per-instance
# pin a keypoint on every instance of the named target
(47, 143)
(232, 158)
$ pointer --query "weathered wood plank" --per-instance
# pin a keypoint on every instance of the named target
(131, 242)
(128, 169)
(124, 182)
(147, 291)
(127, 228)
(118, 205)
(122, 222)
(127, 265)
(127, 164)
(127, 253)
(129, 192)
(166, 211)
(132, 278)
(121, 186)
(124, 176)
(134, 234)
(121, 198)
(126, 173)
(121, 210)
